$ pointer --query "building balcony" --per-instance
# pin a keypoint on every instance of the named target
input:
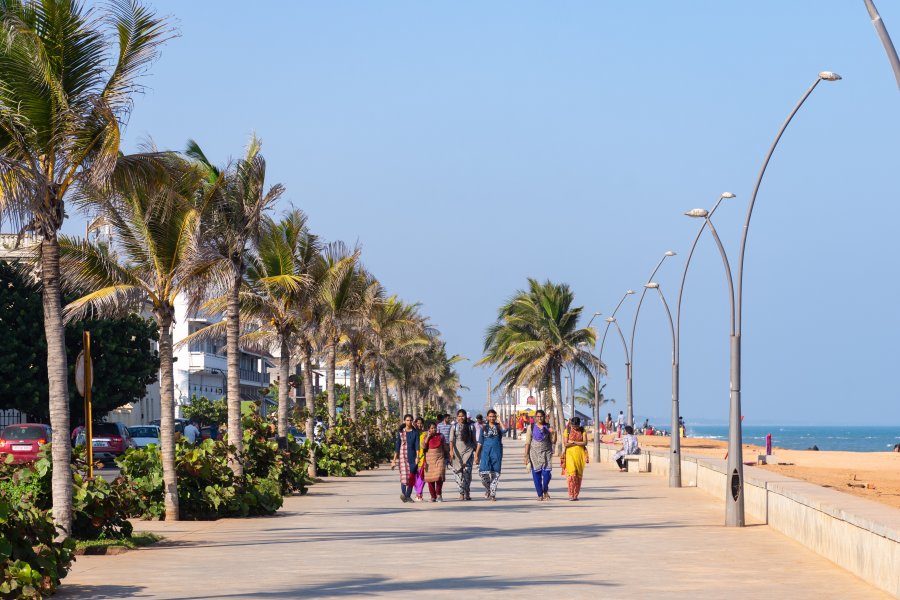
(205, 361)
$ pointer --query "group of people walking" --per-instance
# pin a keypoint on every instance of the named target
(423, 452)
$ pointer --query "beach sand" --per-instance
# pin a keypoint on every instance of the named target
(843, 471)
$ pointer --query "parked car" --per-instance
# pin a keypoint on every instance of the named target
(179, 424)
(23, 441)
(110, 440)
(144, 435)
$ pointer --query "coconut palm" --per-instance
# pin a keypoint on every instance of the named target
(535, 335)
(276, 286)
(65, 92)
(584, 395)
(393, 326)
(358, 335)
(153, 261)
(231, 226)
(339, 298)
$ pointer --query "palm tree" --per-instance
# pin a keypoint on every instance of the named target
(339, 297)
(535, 335)
(65, 92)
(231, 226)
(584, 395)
(277, 284)
(394, 326)
(153, 261)
(358, 335)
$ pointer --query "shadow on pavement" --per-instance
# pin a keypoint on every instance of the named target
(391, 536)
(376, 585)
(97, 592)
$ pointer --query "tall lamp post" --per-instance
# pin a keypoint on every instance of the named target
(629, 410)
(675, 442)
(595, 414)
(885, 39)
(675, 446)
(734, 497)
(609, 321)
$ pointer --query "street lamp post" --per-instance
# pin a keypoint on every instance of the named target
(734, 497)
(596, 412)
(675, 446)
(885, 39)
(629, 410)
(675, 442)
(609, 322)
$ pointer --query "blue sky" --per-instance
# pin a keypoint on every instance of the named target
(469, 145)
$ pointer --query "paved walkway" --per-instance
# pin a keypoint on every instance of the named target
(629, 537)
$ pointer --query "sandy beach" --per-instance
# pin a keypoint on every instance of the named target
(872, 475)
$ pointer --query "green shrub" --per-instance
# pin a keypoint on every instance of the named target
(264, 459)
(31, 563)
(96, 505)
(207, 487)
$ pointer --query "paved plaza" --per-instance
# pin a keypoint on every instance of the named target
(629, 537)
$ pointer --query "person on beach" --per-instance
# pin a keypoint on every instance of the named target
(420, 459)
(539, 442)
(609, 423)
(489, 454)
(436, 453)
(620, 423)
(406, 451)
(629, 446)
(575, 457)
(479, 424)
(462, 453)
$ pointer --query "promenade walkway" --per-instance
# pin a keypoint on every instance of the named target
(629, 537)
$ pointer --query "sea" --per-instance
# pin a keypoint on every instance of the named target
(803, 437)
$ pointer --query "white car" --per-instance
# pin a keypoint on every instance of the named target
(144, 435)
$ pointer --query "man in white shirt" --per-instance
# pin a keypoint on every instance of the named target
(191, 433)
(620, 423)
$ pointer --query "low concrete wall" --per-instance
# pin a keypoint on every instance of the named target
(857, 534)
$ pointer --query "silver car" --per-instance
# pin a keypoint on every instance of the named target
(144, 435)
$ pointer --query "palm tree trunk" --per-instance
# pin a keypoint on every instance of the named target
(58, 374)
(353, 388)
(329, 381)
(378, 397)
(284, 388)
(232, 333)
(401, 401)
(385, 395)
(310, 408)
(362, 385)
(167, 412)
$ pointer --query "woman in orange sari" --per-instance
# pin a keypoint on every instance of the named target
(436, 454)
(576, 457)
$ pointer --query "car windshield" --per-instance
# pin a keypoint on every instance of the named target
(104, 430)
(144, 432)
(18, 432)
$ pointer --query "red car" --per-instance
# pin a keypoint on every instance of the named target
(23, 441)
(110, 440)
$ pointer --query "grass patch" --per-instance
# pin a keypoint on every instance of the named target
(137, 540)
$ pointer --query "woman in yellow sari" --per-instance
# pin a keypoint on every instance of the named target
(576, 456)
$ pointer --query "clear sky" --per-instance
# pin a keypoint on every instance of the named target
(469, 145)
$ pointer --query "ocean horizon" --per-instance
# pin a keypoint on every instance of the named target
(859, 438)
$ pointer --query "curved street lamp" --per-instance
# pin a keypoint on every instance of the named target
(675, 442)
(734, 497)
(629, 411)
(609, 321)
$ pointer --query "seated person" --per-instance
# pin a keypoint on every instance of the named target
(629, 446)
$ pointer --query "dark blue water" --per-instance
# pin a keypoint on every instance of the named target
(856, 439)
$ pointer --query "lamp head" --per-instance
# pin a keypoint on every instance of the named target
(697, 212)
(829, 76)
(610, 319)
(728, 195)
(598, 313)
(651, 285)
(669, 253)
(629, 292)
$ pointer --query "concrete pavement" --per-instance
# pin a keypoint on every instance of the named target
(629, 537)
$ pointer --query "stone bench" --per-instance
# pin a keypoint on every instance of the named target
(642, 461)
